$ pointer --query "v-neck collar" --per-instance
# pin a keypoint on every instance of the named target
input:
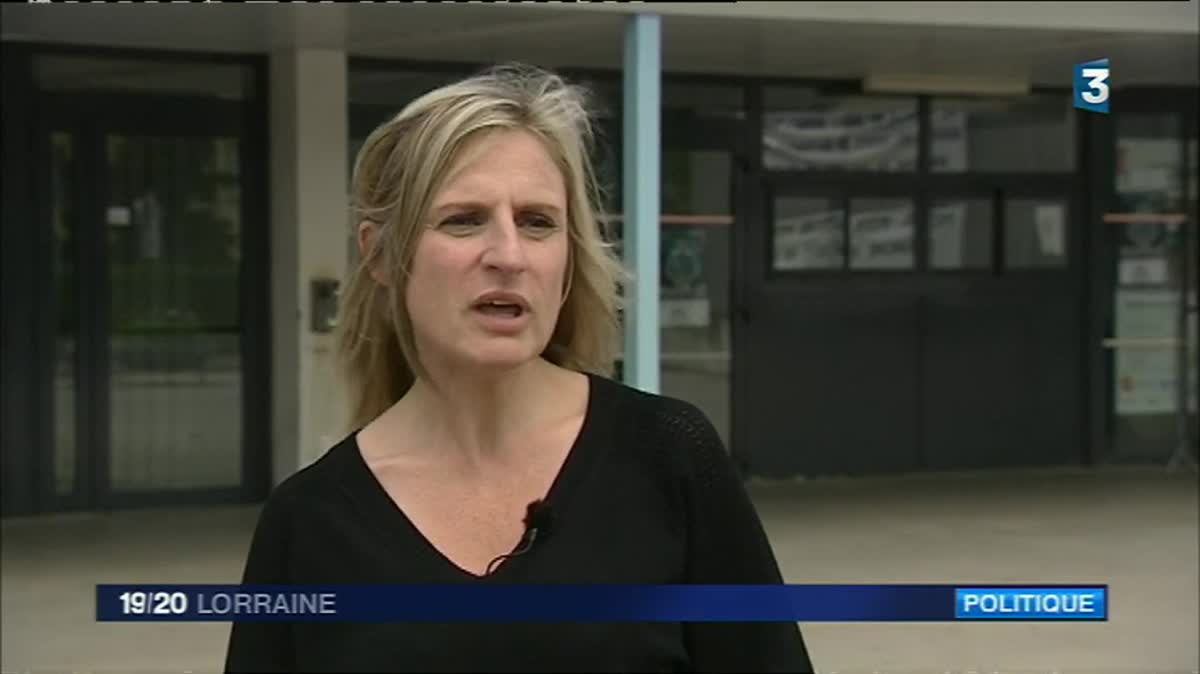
(364, 487)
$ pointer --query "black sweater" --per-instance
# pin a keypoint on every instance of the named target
(647, 494)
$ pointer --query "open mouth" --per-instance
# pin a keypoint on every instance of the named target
(501, 309)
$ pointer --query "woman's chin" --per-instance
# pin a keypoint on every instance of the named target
(501, 357)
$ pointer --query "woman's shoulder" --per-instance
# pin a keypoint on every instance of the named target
(671, 437)
(315, 482)
(672, 422)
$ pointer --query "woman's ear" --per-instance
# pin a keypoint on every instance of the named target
(368, 234)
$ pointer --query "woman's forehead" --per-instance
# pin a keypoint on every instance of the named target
(515, 162)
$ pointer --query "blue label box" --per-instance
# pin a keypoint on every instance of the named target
(1092, 88)
(1032, 603)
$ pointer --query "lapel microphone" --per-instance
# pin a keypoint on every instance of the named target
(539, 523)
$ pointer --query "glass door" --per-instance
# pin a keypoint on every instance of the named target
(1148, 228)
(148, 400)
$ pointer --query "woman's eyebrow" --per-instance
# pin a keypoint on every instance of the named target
(543, 206)
(469, 205)
(460, 205)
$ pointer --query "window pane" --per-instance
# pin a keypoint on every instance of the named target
(960, 234)
(1035, 233)
(1028, 134)
(174, 236)
(1149, 164)
(809, 234)
(804, 130)
(881, 234)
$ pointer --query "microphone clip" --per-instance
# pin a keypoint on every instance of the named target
(539, 522)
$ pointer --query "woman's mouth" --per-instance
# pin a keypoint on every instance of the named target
(500, 309)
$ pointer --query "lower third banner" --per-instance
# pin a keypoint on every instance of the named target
(599, 603)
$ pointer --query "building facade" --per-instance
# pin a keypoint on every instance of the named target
(888, 241)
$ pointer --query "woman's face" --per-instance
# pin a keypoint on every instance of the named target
(488, 273)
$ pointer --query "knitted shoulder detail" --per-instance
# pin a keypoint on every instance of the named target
(688, 437)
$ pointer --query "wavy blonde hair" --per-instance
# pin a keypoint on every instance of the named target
(397, 174)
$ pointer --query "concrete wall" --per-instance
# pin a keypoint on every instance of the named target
(308, 122)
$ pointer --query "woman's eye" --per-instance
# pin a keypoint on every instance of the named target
(540, 224)
(461, 222)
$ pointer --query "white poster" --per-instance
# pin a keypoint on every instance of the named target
(1142, 271)
(879, 239)
(874, 140)
(882, 239)
(871, 140)
(948, 151)
(811, 241)
(118, 216)
(684, 313)
(946, 224)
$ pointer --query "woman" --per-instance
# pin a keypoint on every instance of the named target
(475, 335)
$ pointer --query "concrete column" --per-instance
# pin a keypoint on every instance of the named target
(309, 135)
(642, 152)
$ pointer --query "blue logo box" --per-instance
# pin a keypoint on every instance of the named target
(1092, 86)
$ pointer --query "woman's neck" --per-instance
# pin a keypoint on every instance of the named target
(482, 418)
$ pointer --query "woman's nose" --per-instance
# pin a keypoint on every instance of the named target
(505, 251)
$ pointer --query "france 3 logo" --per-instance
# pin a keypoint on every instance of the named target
(1091, 86)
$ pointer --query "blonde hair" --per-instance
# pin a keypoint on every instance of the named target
(397, 174)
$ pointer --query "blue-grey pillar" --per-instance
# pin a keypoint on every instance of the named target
(643, 142)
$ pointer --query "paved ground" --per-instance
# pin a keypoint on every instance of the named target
(1135, 529)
